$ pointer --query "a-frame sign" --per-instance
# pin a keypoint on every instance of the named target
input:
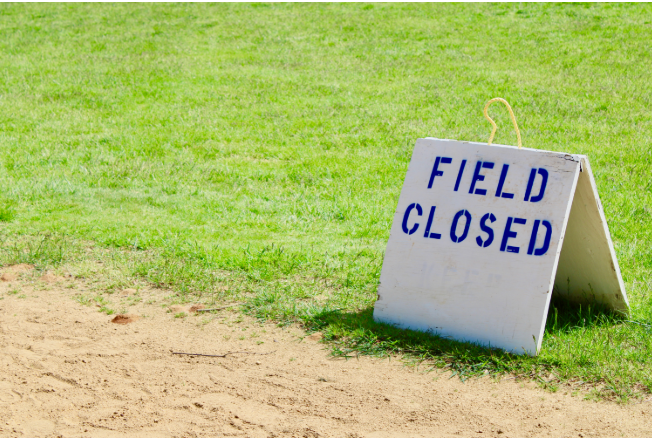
(481, 236)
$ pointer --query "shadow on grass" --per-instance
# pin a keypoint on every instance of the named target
(353, 334)
(566, 316)
(356, 333)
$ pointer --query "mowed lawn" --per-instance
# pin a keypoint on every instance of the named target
(255, 153)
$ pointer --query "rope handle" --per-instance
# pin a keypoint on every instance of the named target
(511, 114)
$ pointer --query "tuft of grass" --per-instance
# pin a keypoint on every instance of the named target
(42, 250)
(7, 210)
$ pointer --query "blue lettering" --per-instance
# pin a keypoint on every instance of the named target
(454, 237)
(431, 216)
(544, 181)
(406, 216)
(477, 177)
(509, 234)
(435, 169)
(484, 227)
(501, 182)
(546, 240)
(459, 175)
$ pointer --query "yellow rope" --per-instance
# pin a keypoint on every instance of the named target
(511, 113)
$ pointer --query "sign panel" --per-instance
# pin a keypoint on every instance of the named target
(477, 237)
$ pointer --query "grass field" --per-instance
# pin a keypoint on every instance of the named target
(255, 152)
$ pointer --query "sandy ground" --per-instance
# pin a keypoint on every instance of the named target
(67, 371)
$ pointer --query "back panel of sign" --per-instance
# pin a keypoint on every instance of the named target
(588, 271)
(475, 242)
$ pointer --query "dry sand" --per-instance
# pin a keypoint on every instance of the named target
(67, 371)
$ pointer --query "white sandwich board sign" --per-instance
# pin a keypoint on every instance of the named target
(481, 236)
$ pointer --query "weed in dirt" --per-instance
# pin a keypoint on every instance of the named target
(134, 299)
(192, 159)
(83, 300)
(107, 310)
(103, 304)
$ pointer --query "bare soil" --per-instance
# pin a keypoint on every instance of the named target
(68, 370)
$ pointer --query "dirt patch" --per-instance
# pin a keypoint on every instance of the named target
(9, 276)
(178, 309)
(20, 268)
(49, 277)
(195, 307)
(66, 370)
(124, 319)
(315, 337)
(12, 273)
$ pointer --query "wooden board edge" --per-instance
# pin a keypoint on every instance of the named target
(551, 284)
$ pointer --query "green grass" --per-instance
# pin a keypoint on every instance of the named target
(256, 152)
